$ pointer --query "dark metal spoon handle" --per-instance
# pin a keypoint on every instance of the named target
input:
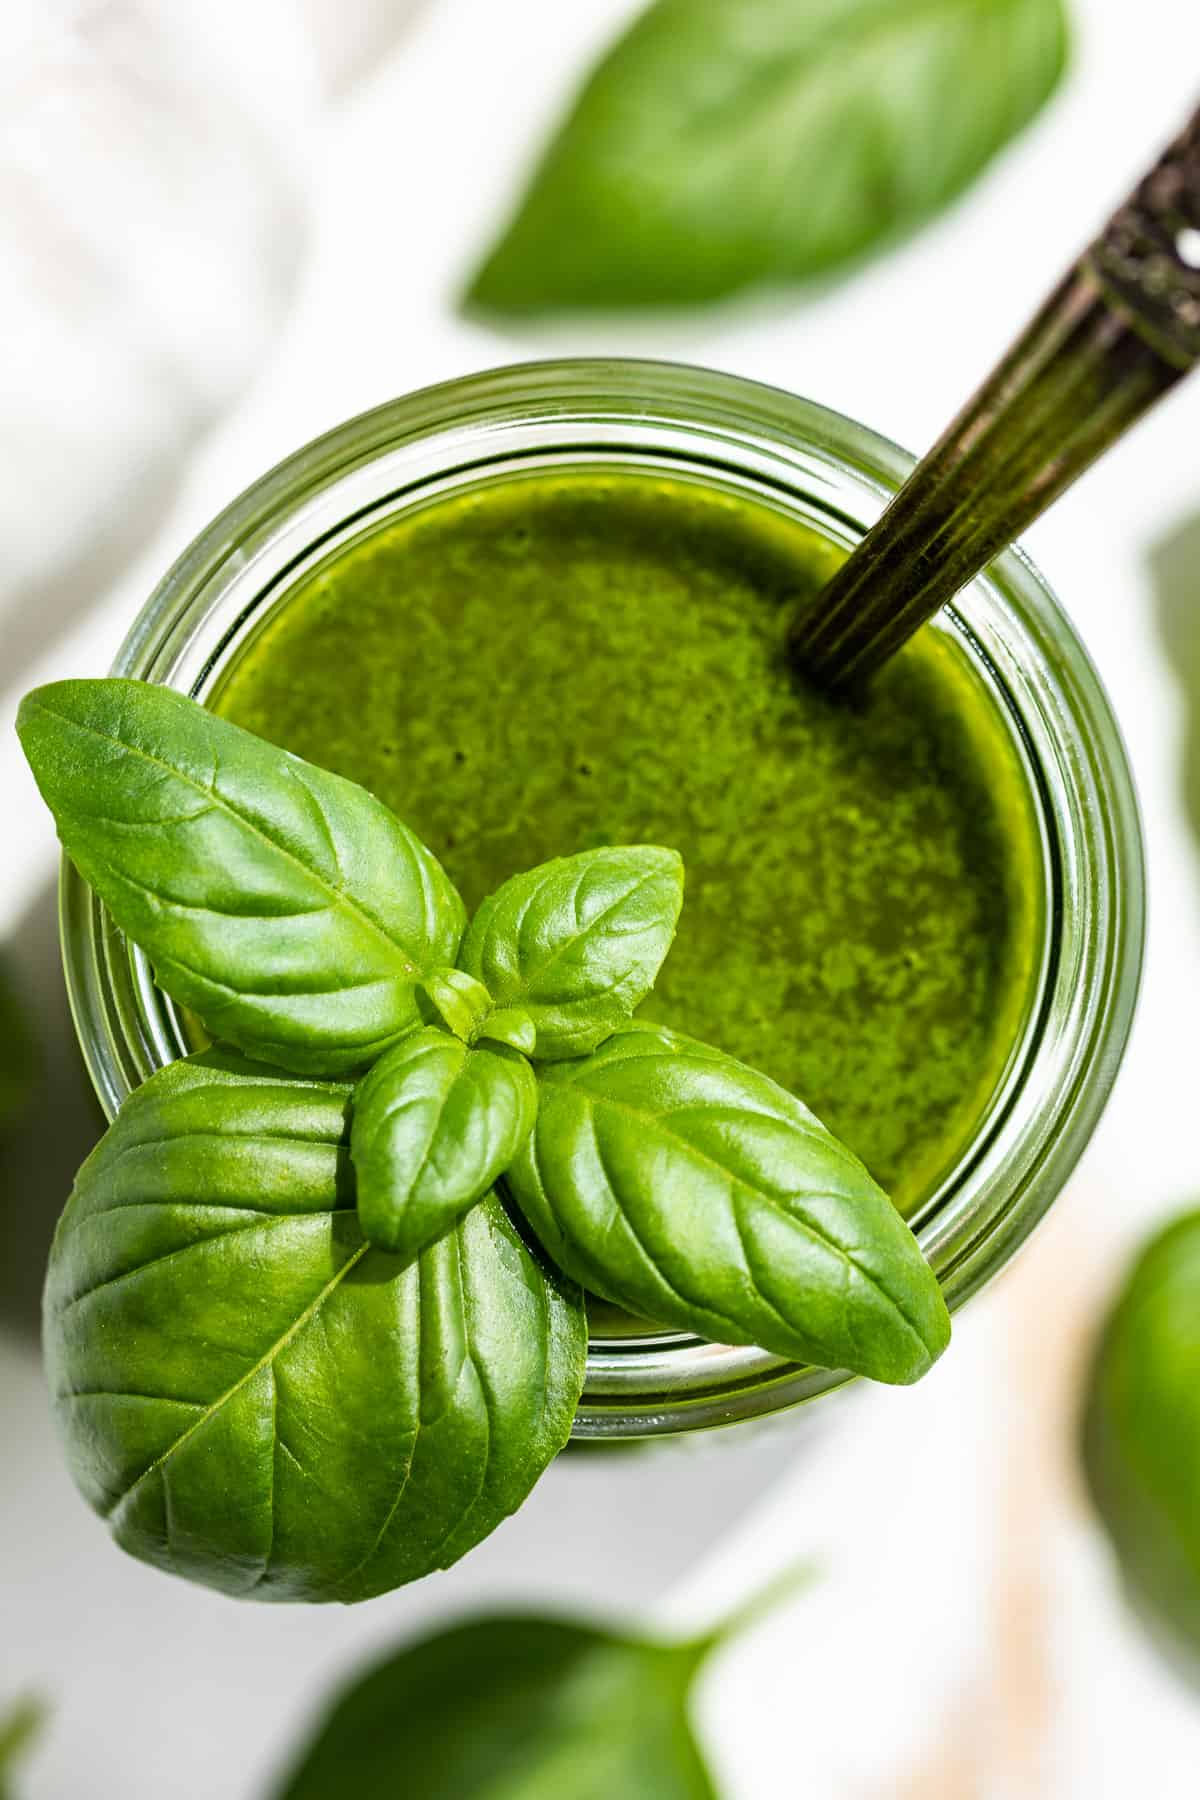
(1119, 331)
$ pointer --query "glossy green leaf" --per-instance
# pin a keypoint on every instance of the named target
(285, 906)
(510, 1025)
(687, 1188)
(578, 942)
(255, 1398)
(435, 1123)
(457, 1000)
(727, 142)
(1141, 1430)
(513, 1709)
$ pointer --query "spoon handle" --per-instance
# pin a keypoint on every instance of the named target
(1120, 330)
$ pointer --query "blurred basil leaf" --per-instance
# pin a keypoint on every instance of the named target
(1141, 1430)
(577, 943)
(688, 1188)
(252, 1396)
(287, 907)
(1175, 572)
(435, 1122)
(514, 1709)
(727, 142)
(19, 1725)
(525, 1708)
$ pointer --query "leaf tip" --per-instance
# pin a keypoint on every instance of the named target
(931, 1332)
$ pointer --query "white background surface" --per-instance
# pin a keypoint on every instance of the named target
(966, 1638)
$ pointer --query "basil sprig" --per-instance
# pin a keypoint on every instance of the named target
(723, 143)
(299, 1348)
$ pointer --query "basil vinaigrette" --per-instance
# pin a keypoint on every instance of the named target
(554, 662)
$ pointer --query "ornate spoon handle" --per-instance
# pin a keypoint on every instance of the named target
(1122, 328)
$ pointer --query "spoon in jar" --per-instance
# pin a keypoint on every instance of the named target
(1117, 333)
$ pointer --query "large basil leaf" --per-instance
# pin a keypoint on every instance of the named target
(578, 942)
(435, 1123)
(684, 1186)
(252, 1396)
(725, 142)
(1141, 1429)
(513, 1709)
(287, 907)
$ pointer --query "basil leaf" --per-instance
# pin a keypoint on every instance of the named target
(578, 942)
(685, 1187)
(286, 907)
(19, 1726)
(1141, 1430)
(253, 1397)
(458, 1000)
(727, 142)
(510, 1025)
(465, 1007)
(513, 1709)
(435, 1122)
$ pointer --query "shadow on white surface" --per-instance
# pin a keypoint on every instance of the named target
(44, 1148)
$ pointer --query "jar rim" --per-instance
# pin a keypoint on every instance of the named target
(806, 455)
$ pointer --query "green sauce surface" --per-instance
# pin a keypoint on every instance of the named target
(552, 662)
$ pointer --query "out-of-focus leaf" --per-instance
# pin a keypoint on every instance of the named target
(1175, 572)
(19, 1725)
(525, 1708)
(1141, 1430)
(514, 1709)
(727, 142)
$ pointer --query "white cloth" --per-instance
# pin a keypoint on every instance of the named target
(152, 215)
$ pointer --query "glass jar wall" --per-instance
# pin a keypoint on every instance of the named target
(807, 465)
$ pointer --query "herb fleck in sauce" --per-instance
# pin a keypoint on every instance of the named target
(554, 662)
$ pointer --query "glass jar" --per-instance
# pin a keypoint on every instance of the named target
(836, 477)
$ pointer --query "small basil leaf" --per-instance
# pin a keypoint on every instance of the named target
(1141, 1431)
(727, 142)
(253, 1397)
(285, 906)
(458, 1000)
(578, 942)
(510, 1025)
(435, 1123)
(685, 1187)
(513, 1709)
